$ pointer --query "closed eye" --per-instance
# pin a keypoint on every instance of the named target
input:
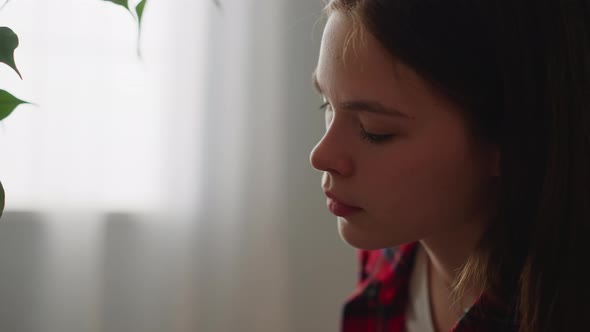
(374, 138)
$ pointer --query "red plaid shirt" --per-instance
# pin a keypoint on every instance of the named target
(379, 302)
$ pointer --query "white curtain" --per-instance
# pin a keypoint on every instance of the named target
(171, 192)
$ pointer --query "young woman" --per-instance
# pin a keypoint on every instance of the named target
(457, 159)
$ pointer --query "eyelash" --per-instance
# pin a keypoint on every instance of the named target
(371, 138)
(374, 138)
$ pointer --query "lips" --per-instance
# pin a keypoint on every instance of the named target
(340, 208)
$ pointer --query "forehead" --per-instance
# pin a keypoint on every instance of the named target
(353, 64)
(340, 31)
(344, 54)
(351, 58)
(347, 45)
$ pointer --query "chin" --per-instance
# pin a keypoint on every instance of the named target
(363, 239)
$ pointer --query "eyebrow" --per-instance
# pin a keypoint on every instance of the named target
(363, 105)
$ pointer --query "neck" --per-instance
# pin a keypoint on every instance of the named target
(446, 255)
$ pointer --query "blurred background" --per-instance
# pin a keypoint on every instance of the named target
(170, 192)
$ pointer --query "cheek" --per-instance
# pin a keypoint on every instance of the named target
(429, 186)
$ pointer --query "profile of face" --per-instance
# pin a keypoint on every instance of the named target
(398, 160)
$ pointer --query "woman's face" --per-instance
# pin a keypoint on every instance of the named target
(397, 158)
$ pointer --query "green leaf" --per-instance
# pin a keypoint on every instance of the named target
(8, 43)
(124, 3)
(2, 199)
(8, 103)
(139, 10)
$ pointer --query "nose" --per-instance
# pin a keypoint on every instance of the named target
(331, 154)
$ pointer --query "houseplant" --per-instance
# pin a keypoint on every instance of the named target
(9, 43)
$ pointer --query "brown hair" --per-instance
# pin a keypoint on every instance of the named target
(520, 70)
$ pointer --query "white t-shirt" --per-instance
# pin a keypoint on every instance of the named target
(418, 316)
